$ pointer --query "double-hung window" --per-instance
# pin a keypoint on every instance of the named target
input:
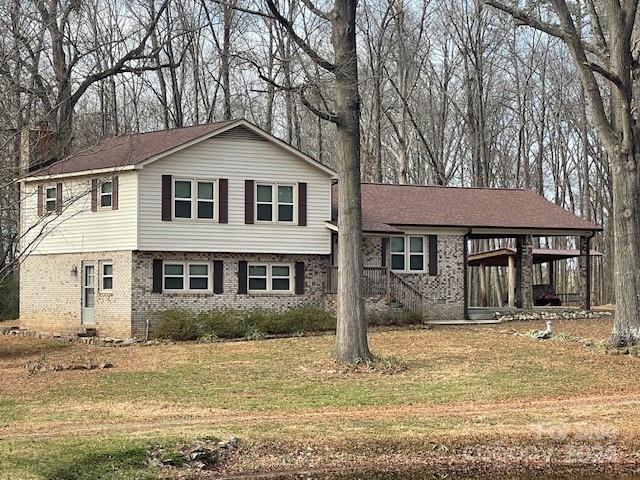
(106, 194)
(269, 277)
(186, 276)
(194, 199)
(408, 253)
(275, 202)
(51, 198)
(106, 276)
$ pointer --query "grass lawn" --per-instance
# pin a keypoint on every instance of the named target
(462, 386)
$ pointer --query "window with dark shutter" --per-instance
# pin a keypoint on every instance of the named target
(433, 255)
(166, 198)
(114, 193)
(299, 278)
(157, 276)
(223, 200)
(218, 279)
(248, 201)
(242, 277)
(302, 203)
(94, 194)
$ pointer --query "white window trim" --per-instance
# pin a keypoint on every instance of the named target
(102, 194)
(185, 277)
(194, 199)
(54, 199)
(189, 276)
(102, 264)
(269, 266)
(407, 254)
(274, 202)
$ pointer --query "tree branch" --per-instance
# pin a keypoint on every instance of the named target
(306, 48)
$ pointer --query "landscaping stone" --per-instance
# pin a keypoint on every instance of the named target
(547, 315)
(206, 454)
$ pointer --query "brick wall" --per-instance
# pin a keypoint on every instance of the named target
(51, 293)
(444, 292)
(146, 303)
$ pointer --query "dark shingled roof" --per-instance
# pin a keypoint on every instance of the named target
(385, 206)
(130, 149)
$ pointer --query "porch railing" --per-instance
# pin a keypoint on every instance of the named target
(378, 281)
(375, 280)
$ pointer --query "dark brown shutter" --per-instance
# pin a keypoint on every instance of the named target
(302, 203)
(40, 200)
(242, 276)
(248, 201)
(383, 249)
(166, 198)
(114, 193)
(223, 201)
(94, 194)
(433, 255)
(59, 198)
(157, 276)
(218, 267)
(299, 278)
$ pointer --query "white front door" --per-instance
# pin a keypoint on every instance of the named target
(88, 292)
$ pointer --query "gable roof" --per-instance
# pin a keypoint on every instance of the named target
(136, 150)
(387, 206)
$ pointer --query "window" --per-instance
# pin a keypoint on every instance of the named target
(280, 209)
(184, 203)
(264, 210)
(182, 199)
(106, 194)
(205, 200)
(285, 203)
(408, 253)
(192, 276)
(198, 276)
(269, 277)
(51, 199)
(173, 276)
(106, 273)
(416, 253)
(397, 253)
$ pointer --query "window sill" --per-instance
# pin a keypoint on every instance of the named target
(283, 293)
(410, 272)
(181, 293)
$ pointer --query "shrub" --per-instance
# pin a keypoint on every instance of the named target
(223, 323)
(177, 324)
(9, 298)
(393, 318)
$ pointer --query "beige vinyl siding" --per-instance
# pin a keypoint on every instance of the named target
(236, 159)
(78, 229)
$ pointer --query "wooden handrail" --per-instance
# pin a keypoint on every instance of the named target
(407, 295)
(378, 281)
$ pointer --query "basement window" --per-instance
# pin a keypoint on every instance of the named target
(106, 276)
(186, 276)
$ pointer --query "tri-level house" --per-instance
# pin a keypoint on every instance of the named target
(226, 215)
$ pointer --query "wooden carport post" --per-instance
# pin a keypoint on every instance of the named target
(511, 280)
(584, 262)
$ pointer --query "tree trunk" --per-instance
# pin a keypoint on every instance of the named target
(351, 333)
(626, 226)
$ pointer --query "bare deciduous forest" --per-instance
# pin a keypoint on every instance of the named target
(453, 93)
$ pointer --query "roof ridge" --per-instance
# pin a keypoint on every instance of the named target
(447, 186)
(159, 130)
